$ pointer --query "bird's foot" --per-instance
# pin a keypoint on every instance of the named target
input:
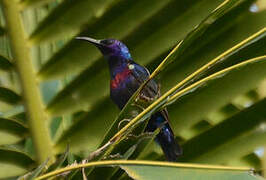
(142, 135)
(113, 156)
(146, 98)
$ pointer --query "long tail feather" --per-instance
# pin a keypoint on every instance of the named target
(165, 138)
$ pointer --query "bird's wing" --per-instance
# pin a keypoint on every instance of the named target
(140, 74)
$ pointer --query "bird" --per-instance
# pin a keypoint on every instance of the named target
(126, 76)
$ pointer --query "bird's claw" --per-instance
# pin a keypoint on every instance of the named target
(145, 134)
(114, 156)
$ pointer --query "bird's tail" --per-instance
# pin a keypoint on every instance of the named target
(165, 138)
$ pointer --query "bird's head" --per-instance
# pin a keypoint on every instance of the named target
(109, 47)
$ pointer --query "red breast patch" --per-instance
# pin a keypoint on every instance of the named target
(120, 77)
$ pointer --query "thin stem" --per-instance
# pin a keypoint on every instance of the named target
(140, 162)
(159, 68)
(37, 119)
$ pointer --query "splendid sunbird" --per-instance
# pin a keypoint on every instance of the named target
(126, 77)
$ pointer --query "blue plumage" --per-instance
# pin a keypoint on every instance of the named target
(126, 77)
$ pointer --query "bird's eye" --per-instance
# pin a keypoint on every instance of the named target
(107, 41)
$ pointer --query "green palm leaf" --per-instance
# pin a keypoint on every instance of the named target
(209, 56)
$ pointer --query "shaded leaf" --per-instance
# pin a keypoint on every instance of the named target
(132, 147)
(79, 92)
(11, 131)
(219, 15)
(2, 31)
(5, 64)
(8, 96)
(67, 19)
(257, 63)
(34, 3)
(90, 123)
(83, 133)
(237, 71)
(253, 160)
(59, 162)
(38, 171)
(19, 115)
(165, 36)
(200, 101)
(231, 139)
(240, 30)
(171, 33)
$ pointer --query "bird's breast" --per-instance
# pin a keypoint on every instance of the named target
(120, 78)
(122, 87)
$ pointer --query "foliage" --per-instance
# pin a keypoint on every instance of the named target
(209, 56)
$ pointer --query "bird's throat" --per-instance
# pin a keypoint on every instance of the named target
(116, 65)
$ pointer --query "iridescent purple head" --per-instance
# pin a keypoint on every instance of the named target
(110, 47)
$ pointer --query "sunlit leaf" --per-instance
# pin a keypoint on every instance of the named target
(233, 138)
(13, 163)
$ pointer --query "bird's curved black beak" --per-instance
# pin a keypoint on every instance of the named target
(91, 40)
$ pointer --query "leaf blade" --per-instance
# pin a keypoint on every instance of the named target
(12, 131)
(18, 161)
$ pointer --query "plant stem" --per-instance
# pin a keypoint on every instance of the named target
(37, 119)
(140, 162)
